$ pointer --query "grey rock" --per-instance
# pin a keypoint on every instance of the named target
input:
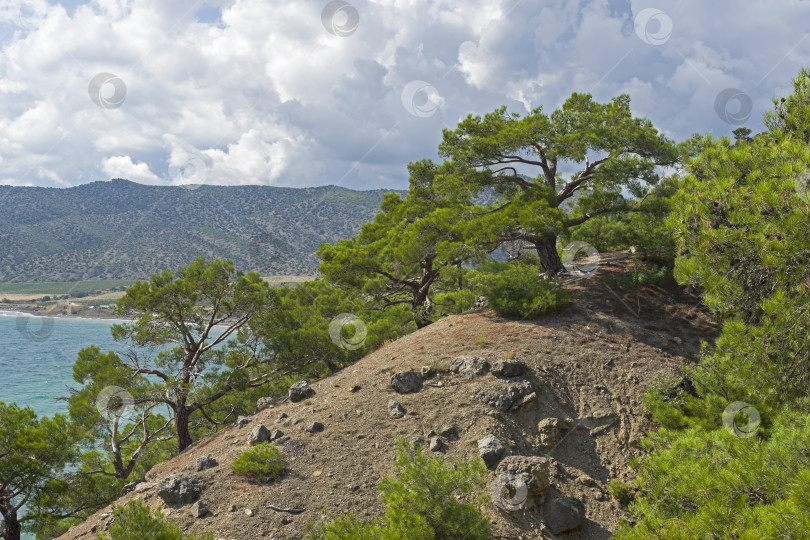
(353, 487)
(232, 508)
(242, 421)
(258, 435)
(449, 432)
(406, 382)
(263, 402)
(469, 366)
(437, 444)
(129, 488)
(532, 471)
(395, 409)
(563, 514)
(300, 391)
(276, 434)
(491, 450)
(178, 490)
(198, 509)
(549, 430)
(286, 520)
(481, 302)
(315, 427)
(508, 397)
(508, 368)
(206, 462)
(427, 372)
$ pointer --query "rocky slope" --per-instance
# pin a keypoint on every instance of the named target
(561, 395)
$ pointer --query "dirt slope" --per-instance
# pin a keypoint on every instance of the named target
(589, 364)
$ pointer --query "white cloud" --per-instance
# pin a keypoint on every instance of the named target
(260, 92)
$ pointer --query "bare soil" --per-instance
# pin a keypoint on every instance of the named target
(590, 363)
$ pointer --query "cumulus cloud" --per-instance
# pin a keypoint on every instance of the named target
(255, 92)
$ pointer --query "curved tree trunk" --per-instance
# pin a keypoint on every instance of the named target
(549, 258)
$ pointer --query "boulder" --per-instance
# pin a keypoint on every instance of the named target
(509, 397)
(198, 509)
(491, 450)
(469, 366)
(437, 444)
(258, 435)
(563, 514)
(263, 402)
(508, 368)
(242, 421)
(315, 427)
(178, 490)
(449, 432)
(300, 391)
(532, 471)
(481, 302)
(406, 382)
(549, 429)
(206, 462)
(129, 488)
(427, 372)
(395, 409)
(276, 434)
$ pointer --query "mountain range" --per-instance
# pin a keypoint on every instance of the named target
(124, 230)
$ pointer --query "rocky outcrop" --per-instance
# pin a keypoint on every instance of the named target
(300, 391)
(469, 366)
(491, 450)
(406, 382)
(179, 490)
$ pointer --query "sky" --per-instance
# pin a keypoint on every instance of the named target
(302, 93)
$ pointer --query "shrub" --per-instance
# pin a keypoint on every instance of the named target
(641, 275)
(135, 521)
(260, 464)
(621, 491)
(429, 499)
(519, 292)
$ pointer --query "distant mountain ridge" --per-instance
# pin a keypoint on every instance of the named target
(124, 230)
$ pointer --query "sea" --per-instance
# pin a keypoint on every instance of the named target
(37, 356)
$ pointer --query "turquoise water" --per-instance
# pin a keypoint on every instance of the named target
(37, 356)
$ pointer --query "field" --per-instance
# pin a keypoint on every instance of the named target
(29, 290)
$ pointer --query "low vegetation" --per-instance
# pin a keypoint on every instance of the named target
(430, 498)
(136, 521)
(261, 464)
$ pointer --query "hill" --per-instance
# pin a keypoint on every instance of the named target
(124, 230)
(575, 413)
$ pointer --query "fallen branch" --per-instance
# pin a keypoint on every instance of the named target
(288, 510)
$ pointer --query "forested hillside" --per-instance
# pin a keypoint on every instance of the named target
(124, 230)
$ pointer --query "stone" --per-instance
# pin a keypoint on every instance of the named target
(508, 368)
(232, 508)
(356, 388)
(263, 402)
(258, 435)
(549, 430)
(481, 302)
(491, 450)
(242, 421)
(509, 397)
(286, 520)
(427, 372)
(395, 409)
(406, 382)
(198, 509)
(178, 490)
(315, 427)
(276, 434)
(563, 514)
(206, 462)
(469, 366)
(532, 471)
(437, 444)
(300, 391)
(449, 432)
(129, 488)
(248, 512)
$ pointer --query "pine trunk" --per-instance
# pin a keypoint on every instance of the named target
(181, 427)
(549, 258)
(10, 529)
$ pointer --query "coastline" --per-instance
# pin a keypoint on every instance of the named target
(87, 316)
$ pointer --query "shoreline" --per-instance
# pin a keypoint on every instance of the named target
(100, 317)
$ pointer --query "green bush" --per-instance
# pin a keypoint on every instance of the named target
(260, 464)
(519, 292)
(706, 483)
(621, 491)
(135, 521)
(641, 275)
(429, 499)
